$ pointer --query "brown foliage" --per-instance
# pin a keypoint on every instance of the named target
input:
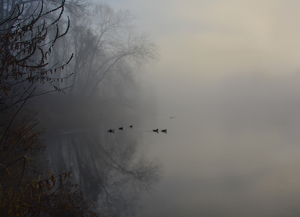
(25, 188)
(25, 46)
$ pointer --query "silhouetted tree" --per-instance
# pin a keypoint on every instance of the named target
(34, 48)
(106, 48)
(25, 46)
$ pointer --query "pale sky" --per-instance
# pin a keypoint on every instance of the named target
(213, 38)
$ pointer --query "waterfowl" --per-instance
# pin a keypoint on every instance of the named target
(164, 131)
(130, 126)
(155, 130)
(111, 131)
(120, 128)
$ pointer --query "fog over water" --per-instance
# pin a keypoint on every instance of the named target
(232, 152)
(154, 108)
(226, 86)
(229, 73)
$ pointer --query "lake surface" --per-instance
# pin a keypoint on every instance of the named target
(231, 150)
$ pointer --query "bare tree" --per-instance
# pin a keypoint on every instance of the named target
(34, 49)
(25, 46)
(106, 49)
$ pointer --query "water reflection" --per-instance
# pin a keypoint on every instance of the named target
(108, 166)
(230, 151)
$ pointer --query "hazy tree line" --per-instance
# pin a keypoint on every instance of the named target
(107, 52)
(88, 53)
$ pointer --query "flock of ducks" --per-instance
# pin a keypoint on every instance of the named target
(131, 126)
(121, 128)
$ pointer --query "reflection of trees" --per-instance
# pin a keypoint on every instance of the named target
(105, 50)
(106, 167)
(27, 36)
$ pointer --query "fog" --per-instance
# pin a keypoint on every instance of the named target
(222, 77)
(229, 73)
(232, 151)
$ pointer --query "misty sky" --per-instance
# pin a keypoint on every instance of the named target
(213, 39)
(229, 71)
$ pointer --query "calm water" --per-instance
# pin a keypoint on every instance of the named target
(231, 150)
